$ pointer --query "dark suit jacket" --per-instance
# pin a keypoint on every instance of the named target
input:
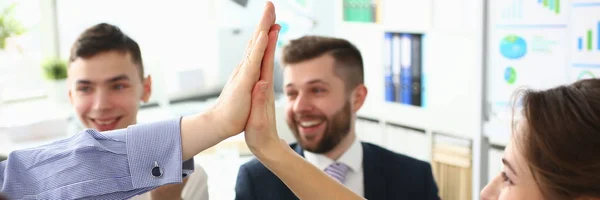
(387, 175)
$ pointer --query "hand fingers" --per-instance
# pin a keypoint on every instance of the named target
(253, 61)
(257, 120)
(267, 19)
(235, 72)
(270, 103)
(249, 46)
(266, 70)
(246, 55)
(253, 56)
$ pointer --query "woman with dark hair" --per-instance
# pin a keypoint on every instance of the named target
(554, 151)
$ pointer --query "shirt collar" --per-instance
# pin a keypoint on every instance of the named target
(352, 157)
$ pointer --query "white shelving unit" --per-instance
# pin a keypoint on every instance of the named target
(452, 64)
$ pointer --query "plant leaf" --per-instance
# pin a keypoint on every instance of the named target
(55, 69)
(9, 26)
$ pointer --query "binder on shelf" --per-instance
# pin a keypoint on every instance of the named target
(375, 11)
(390, 95)
(416, 70)
(349, 10)
(406, 73)
(360, 10)
(403, 68)
(396, 68)
(368, 9)
(423, 74)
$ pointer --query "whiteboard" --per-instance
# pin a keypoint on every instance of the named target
(536, 44)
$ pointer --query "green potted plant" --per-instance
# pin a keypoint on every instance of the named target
(55, 69)
(55, 72)
(9, 26)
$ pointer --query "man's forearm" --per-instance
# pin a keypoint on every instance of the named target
(293, 170)
(198, 133)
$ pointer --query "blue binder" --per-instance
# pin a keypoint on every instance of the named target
(387, 69)
(406, 70)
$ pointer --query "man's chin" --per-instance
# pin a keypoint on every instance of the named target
(311, 147)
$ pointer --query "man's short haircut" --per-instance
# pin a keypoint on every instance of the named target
(348, 61)
(105, 37)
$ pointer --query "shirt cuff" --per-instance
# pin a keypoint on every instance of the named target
(188, 167)
(154, 153)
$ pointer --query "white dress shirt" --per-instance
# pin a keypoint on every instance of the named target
(353, 158)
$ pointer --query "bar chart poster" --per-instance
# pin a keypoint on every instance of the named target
(585, 40)
(529, 12)
(527, 47)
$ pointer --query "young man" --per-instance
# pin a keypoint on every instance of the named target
(324, 85)
(107, 84)
(122, 163)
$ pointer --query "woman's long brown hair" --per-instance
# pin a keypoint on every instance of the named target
(561, 140)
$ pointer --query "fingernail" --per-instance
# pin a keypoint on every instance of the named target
(272, 16)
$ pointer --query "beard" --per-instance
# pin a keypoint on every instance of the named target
(336, 129)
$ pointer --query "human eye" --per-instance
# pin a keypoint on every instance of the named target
(507, 179)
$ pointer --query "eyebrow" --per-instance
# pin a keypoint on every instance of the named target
(110, 80)
(310, 82)
(509, 166)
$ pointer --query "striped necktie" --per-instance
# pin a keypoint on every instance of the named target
(337, 171)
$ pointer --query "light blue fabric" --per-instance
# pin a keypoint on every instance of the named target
(92, 165)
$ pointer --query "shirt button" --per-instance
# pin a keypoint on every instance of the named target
(156, 170)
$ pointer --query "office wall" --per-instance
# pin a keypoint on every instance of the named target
(452, 67)
(452, 58)
(189, 47)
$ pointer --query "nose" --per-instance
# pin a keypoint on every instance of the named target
(492, 190)
(101, 101)
(302, 103)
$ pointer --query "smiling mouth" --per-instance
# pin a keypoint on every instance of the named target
(105, 124)
(310, 123)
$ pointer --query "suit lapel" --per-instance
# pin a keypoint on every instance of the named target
(374, 176)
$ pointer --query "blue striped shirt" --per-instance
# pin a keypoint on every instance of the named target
(92, 165)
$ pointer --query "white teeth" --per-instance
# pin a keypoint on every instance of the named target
(105, 122)
(310, 123)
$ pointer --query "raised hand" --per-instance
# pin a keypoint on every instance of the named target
(232, 108)
(260, 128)
(230, 113)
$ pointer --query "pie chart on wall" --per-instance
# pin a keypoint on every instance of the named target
(513, 47)
(586, 74)
(510, 75)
